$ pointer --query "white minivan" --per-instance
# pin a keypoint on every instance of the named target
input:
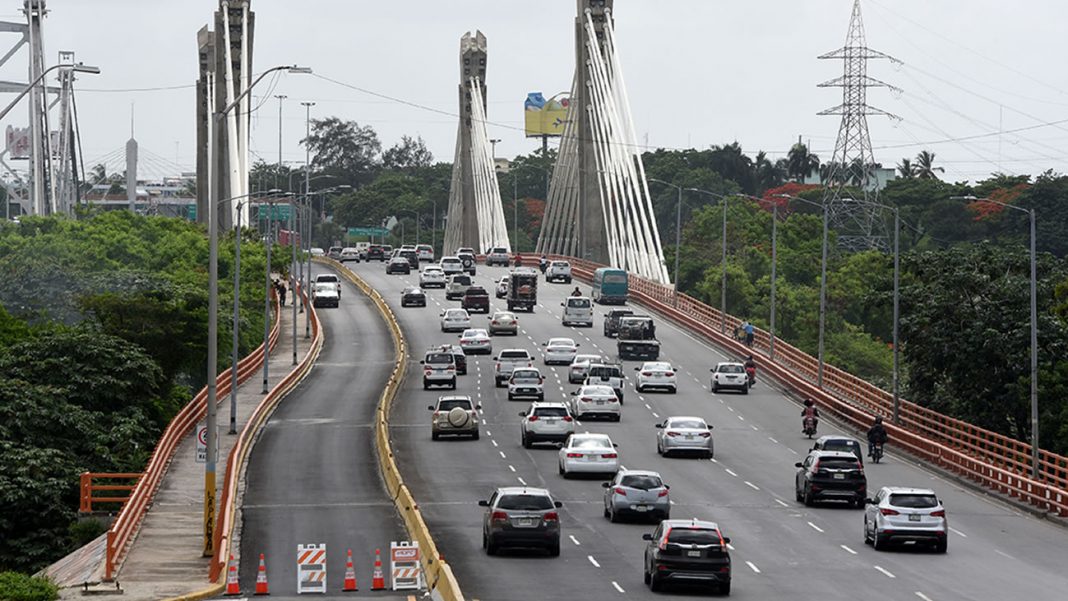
(578, 310)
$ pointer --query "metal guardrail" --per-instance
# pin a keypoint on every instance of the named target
(88, 484)
(125, 527)
(996, 461)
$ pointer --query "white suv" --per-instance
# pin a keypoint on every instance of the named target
(508, 361)
(545, 422)
(526, 382)
(425, 252)
(905, 515)
(439, 368)
(497, 256)
(558, 271)
(329, 278)
(451, 265)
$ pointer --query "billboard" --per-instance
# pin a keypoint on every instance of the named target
(18, 142)
(545, 117)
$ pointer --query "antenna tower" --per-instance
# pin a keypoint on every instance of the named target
(856, 220)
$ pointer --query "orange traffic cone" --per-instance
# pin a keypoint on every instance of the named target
(232, 586)
(350, 575)
(378, 581)
(261, 578)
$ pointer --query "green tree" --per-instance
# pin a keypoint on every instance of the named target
(800, 162)
(344, 149)
(925, 168)
(406, 155)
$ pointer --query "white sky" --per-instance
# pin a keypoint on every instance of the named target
(699, 72)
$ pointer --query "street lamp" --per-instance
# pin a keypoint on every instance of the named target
(678, 234)
(515, 195)
(1035, 451)
(77, 68)
(723, 277)
(308, 229)
(213, 309)
(416, 214)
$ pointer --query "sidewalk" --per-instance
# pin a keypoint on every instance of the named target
(165, 558)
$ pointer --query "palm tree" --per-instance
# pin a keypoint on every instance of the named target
(766, 174)
(800, 162)
(925, 168)
(906, 169)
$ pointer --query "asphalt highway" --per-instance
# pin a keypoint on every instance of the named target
(312, 475)
(781, 549)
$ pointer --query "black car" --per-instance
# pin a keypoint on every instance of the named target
(375, 253)
(688, 552)
(458, 354)
(611, 321)
(398, 265)
(411, 256)
(831, 475)
(476, 299)
(413, 297)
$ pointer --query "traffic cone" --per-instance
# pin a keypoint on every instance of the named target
(261, 578)
(232, 586)
(378, 581)
(350, 575)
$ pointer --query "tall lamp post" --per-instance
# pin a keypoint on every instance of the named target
(1035, 451)
(723, 259)
(678, 235)
(213, 316)
(307, 246)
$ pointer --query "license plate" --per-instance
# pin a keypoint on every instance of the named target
(839, 476)
(600, 402)
(641, 508)
(693, 554)
(526, 522)
(914, 517)
(689, 437)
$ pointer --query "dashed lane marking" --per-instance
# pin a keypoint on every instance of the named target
(781, 502)
(593, 561)
(618, 588)
(1003, 554)
(815, 527)
(575, 540)
(751, 485)
(731, 472)
(503, 456)
(923, 596)
(773, 440)
(958, 532)
(885, 571)
(512, 468)
(753, 567)
(521, 481)
(848, 550)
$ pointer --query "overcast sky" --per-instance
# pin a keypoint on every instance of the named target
(699, 72)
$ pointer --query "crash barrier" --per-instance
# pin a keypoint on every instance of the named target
(990, 459)
(235, 462)
(404, 571)
(125, 527)
(436, 571)
(89, 484)
(311, 569)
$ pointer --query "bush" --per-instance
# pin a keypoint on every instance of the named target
(83, 532)
(20, 587)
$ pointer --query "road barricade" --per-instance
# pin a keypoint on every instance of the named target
(311, 569)
(404, 569)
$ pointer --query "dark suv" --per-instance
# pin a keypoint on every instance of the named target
(467, 259)
(476, 299)
(831, 475)
(689, 552)
(521, 517)
(375, 253)
(611, 321)
(412, 257)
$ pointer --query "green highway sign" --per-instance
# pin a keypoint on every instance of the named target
(274, 212)
(367, 231)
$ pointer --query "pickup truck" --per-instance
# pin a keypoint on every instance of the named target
(476, 299)
(507, 361)
(611, 321)
(522, 290)
(329, 278)
(637, 338)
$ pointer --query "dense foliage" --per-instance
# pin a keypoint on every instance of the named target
(20, 587)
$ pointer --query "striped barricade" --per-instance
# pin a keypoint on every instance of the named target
(405, 571)
(311, 569)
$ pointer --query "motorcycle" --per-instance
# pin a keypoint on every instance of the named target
(543, 265)
(809, 426)
(876, 452)
(751, 373)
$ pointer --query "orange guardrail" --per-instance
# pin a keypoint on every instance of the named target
(88, 485)
(996, 461)
(125, 526)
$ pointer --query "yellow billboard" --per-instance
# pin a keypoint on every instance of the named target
(545, 117)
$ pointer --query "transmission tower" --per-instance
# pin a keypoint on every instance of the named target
(856, 220)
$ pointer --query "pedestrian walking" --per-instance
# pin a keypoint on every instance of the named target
(749, 331)
(281, 288)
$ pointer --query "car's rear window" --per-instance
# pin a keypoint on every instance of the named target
(448, 404)
(550, 412)
(602, 390)
(476, 291)
(590, 443)
(525, 502)
(915, 501)
(439, 358)
(838, 463)
(606, 372)
(499, 251)
(463, 280)
(687, 424)
(578, 303)
(642, 482)
(693, 536)
(731, 369)
(842, 445)
(514, 355)
(326, 278)
(525, 373)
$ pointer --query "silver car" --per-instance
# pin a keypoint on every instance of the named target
(588, 454)
(455, 320)
(684, 435)
(526, 382)
(545, 422)
(637, 493)
(432, 276)
(905, 515)
(504, 322)
(476, 341)
(521, 517)
(454, 415)
(580, 368)
(560, 351)
(596, 400)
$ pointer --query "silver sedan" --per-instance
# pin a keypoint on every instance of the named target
(560, 351)
(637, 493)
(504, 322)
(476, 341)
(684, 435)
(580, 367)
(588, 454)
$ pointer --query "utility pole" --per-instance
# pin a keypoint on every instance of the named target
(280, 98)
(307, 183)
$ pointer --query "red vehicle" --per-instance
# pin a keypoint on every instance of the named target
(476, 299)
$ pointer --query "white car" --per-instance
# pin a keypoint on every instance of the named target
(558, 271)
(580, 368)
(508, 361)
(349, 254)
(425, 252)
(452, 265)
(730, 375)
(596, 400)
(432, 276)
(526, 382)
(545, 422)
(455, 320)
(905, 515)
(497, 256)
(560, 351)
(684, 435)
(504, 322)
(656, 374)
(329, 278)
(475, 341)
(317, 252)
(325, 295)
(588, 454)
(578, 310)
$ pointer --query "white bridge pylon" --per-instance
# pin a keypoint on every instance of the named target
(622, 210)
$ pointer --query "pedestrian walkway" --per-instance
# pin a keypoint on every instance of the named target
(165, 559)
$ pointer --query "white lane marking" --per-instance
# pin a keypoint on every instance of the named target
(751, 485)
(648, 407)
(575, 540)
(593, 561)
(618, 588)
(848, 550)
(741, 418)
(521, 481)
(670, 501)
(773, 440)
(752, 566)
(791, 450)
(815, 527)
(754, 428)
(731, 408)
(494, 443)
(713, 460)
(488, 433)
(730, 546)
(885, 571)
(483, 422)
(781, 502)
(1003, 554)
(958, 532)
(730, 472)
(511, 468)
(655, 414)
(503, 456)
(923, 596)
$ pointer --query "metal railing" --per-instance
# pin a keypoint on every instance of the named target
(89, 484)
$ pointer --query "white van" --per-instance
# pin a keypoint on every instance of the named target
(578, 310)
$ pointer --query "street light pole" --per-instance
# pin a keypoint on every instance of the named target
(307, 183)
(280, 98)
(678, 235)
(774, 264)
(897, 296)
(723, 281)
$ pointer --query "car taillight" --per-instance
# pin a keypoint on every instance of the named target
(620, 491)
(706, 434)
(585, 399)
(532, 418)
(498, 366)
(530, 364)
(437, 413)
(541, 380)
(662, 493)
(494, 322)
(669, 373)
(450, 368)
(499, 516)
(567, 418)
(427, 369)
(673, 434)
(886, 511)
(610, 455)
(647, 374)
(552, 516)
(574, 455)
(613, 400)
(941, 513)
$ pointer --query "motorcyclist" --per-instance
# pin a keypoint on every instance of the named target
(750, 369)
(543, 263)
(518, 260)
(576, 292)
(810, 410)
(876, 435)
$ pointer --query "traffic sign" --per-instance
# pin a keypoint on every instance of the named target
(202, 444)
(367, 231)
(274, 212)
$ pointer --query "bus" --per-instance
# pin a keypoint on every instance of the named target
(610, 286)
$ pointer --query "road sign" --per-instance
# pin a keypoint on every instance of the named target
(274, 212)
(367, 231)
(202, 444)
(405, 571)
(311, 569)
